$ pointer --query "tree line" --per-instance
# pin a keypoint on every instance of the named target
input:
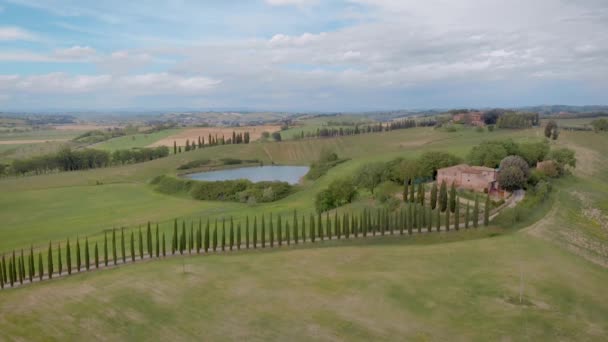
(120, 246)
(325, 132)
(71, 160)
(237, 138)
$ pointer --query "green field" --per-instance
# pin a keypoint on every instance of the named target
(432, 287)
(135, 140)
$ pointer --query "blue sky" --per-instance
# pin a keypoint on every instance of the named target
(301, 55)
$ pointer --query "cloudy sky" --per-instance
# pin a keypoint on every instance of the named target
(301, 55)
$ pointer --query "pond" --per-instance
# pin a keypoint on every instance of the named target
(289, 174)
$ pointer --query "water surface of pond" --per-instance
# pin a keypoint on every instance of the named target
(289, 174)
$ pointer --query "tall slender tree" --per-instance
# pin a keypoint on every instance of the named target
(434, 195)
(96, 256)
(303, 229)
(238, 235)
(32, 269)
(447, 219)
(313, 232)
(163, 246)
(457, 215)
(78, 260)
(40, 267)
(438, 218)
(87, 259)
(476, 213)
(174, 238)
(255, 232)
(123, 248)
(49, 261)
(486, 212)
(182, 238)
(405, 190)
(319, 227)
(214, 244)
(231, 233)
(279, 230)
(287, 232)
(141, 244)
(467, 217)
(132, 246)
(453, 198)
(105, 248)
(149, 240)
(157, 242)
(207, 236)
(191, 238)
(271, 229)
(223, 234)
(59, 261)
(443, 196)
(114, 255)
(421, 193)
(247, 231)
(68, 257)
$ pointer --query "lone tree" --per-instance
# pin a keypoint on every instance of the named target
(511, 178)
(550, 128)
(443, 196)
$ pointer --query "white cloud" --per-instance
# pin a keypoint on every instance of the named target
(75, 52)
(133, 85)
(8, 33)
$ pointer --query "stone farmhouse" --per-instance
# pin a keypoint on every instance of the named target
(471, 118)
(477, 178)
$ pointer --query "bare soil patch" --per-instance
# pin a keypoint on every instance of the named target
(192, 134)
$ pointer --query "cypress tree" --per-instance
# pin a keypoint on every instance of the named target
(32, 269)
(68, 257)
(105, 248)
(247, 232)
(4, 272)
(434, 196)
(263, 232)
(405, 190)
(313, 232)
(412, 192)
(364, 221)
(429, 221)
(182, 239)
(438, 218)
(271, 228)
(123, 250)
(421, 194)
(141, 244)
(447, 220)
(303, 229)
(149, 240)
(279, 230)
(214, 245)
(357, 226)
(199, 238)
(50, 261)
(320, 227)
(96, 256)
(443, 196)
(223, 234)
(132, 246)
(19, 273)
(2, 278)
(87, 260)
(287, 233)
(453, 198)
(10, 273)
(231, 233)
(457, 216)
(78, 260)
(486, 212)
(40, 267)
(174, 238)
(466, 217)
(163, 246)
(191, 239)
(346, 226)
(157, 242)
(59, 261)
(338, 231)
(476, 213)
(207, 236)
(420, 216)
(114, 255)
(328, 225)
(174, 147)
(255, 232)
(238, 235)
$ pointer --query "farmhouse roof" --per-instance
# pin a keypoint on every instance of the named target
(465, 168)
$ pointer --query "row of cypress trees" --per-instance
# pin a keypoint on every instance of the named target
(227, 235)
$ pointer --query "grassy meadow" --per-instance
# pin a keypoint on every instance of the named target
(540, 277)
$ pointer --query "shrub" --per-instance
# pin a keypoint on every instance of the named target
(194, 164)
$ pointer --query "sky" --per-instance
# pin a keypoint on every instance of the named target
(301, 55)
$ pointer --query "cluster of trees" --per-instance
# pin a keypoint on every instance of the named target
(491, 153)
(326, 161)
(517, 120)
(95, 136)
(600, 125)
(237, 138)
(398, 170)
(122, 246)
(370, 128)
(71, 160)
(239, 190)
